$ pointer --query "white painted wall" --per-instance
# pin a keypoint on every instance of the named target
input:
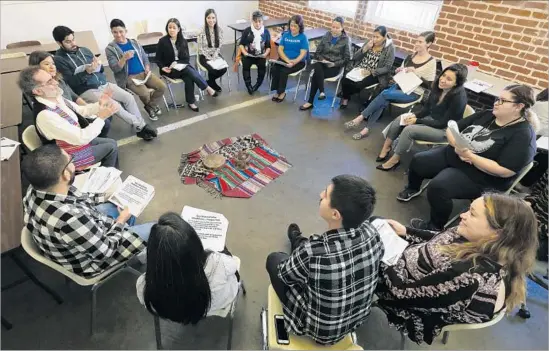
(35, 20)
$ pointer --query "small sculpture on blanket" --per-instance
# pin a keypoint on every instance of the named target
(242, 159)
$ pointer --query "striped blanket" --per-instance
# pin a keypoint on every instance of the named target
(264, 166)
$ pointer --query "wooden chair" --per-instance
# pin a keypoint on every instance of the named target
(23, 44)
(268, 331)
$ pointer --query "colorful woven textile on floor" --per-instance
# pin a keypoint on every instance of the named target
(264, 166)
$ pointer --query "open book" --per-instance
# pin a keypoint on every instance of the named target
(178, 66)
(403, 117)
(211, 227)
(357, 74)
(139, 82)
(134, 193)
(461, 141)
(282, 63)
(394, 245)
(407, 81)
(82, 68)
(8, 147)
(218, 63)
(477, 85)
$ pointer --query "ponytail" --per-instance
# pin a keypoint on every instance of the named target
(532, 118)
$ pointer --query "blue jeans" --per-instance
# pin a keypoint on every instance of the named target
(142, 230)
(391, 94)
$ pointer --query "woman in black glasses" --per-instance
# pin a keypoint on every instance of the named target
(499, 144)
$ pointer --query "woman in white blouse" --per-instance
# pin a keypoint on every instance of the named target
(209, 47)
(184, 282)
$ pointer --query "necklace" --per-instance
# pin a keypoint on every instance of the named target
(490, 125)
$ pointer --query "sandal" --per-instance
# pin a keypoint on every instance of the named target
(351, 124)
(359, 136)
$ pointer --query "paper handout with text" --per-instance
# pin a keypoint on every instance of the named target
(139, 82)
(278, 62)
(134, 193)
(218, 63)
(100, 179)
(357, 74)
(211, 227)
(461, 142)
(407, 81)
(477, 85)
(82, 68)
(178, 66)
(394, 245)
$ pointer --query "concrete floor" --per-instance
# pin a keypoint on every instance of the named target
(319, 149)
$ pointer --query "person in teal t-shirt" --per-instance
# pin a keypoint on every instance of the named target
(293, 50)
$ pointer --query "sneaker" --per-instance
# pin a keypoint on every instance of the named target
(419, 223)
(293, 231)
(322, 96)
(408, 194)
(151, 112)
(147, 133)
(157, 110)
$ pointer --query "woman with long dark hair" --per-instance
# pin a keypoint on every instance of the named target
(183, 281)
(331, 54)
(463, 275)
(210, 40)
(292, 49)
(422, 64)
(446, 103)
(375, 59)
(501, 142)
(173, 48)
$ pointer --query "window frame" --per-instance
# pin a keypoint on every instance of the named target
(370, 17)
(338, 11)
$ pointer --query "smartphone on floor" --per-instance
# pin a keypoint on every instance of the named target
(282, 336)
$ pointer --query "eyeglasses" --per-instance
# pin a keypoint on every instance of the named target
(500, 101)
(52, 81)
(70, 161)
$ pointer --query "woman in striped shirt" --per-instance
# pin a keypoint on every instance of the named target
(422, 64)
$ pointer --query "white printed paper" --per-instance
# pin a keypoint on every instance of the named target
(279, 62)
(133, 193)
(100, 179)
(82, 68)
(139, 82)
(461, 141)
(218, 63)
(407, 81)
(357, 74)
(211, 227)
(178, 66)
(394, 245)
(8, 147)
(477, 85)
(327, 63)
(403, 118)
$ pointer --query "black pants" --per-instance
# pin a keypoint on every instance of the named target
(190, 76)
(280, 75)
(447, 183)
(273, 260)
(213, 74)
(247, 63)
(537, 171)
(106, 128)
(349, 87)
(317, 81)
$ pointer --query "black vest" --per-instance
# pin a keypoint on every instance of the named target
(38, 107)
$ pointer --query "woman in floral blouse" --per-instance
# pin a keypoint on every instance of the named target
(210, 40)
(465, 274)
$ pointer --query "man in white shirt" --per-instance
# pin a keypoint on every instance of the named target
(74, 128)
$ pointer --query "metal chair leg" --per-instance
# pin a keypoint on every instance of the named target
(157, 334)
(402, 341)
(264, 329)
(297, 86)
(230, 337)
(172, 96)
(93, 307)
(335, 93)
(165, 103)
(33, 278)
(229, 79)
(308, 85)
(445, 337)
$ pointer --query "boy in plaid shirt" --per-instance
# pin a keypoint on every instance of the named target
(72, 228)
(327, 283)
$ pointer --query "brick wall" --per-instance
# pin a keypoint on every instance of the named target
(508, 38)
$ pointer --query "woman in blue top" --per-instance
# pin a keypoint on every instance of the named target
(292, 50)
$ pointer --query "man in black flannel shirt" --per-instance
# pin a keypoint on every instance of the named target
(327, 283)
(76, 230)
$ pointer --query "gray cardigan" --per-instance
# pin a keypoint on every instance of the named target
(386, 60)
(338, 53)
(114, 53)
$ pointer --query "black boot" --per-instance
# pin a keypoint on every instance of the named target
(248, 81)
(259, 82)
